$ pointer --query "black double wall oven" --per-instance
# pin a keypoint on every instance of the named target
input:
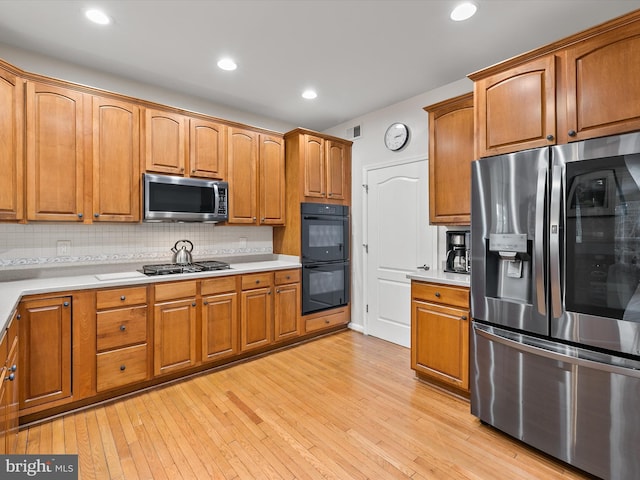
(325, 256)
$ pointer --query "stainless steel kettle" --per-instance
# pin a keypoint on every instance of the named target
(182, 256)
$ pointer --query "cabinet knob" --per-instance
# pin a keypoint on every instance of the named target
(288, 277)
(550, 137)
(11, 377)
(18, 316)
(80, 215)
(182, 169)
(438, 294)
(96, 215)
(269, 292)
(193, 171)
(254, 219)
(14, 367)
(463, 317)
(257, 282)
(123, 298)
(327, 321)
(65, 304)
(193, 304)
(278, 290)
(262, 219)
(205, 302)
(123, 368)
(572, 133)
(331, 194)
(123, 328)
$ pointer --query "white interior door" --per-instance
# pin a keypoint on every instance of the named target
(398, 239)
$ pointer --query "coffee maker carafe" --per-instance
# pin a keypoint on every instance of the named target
(458, 243)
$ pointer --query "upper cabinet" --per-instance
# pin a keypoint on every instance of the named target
(207, 149)
(256, 177)
(584, 86)
(55, 153)
(451, 151)
(116, 160)
(165, 141)
(11, 146)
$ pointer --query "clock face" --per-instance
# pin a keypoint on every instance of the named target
(396, 136)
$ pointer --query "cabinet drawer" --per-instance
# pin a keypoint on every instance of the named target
(121, 367)
(257, 280)
(433, 292)
(117, 328)
(326, 321)
(175, 290)
(218, 285)
(121, 297)
(287, 276)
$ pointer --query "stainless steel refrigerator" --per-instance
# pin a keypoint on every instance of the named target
(555, 300)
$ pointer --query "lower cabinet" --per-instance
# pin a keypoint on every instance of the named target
(287, 305)
(440, 334)
(45, 353)
(219, 318)
(121, 337)
(8, 387)
(256, 311)
(174, 327)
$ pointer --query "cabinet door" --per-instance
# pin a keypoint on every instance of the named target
(451, 151)
(287, 312)
(272, 180)
(11, 386)
(45, 351)
(242, 166)
(116, 161)
(207, 149)
(603, 90)
(219, 326)
(515, 109)
(11, 145)
(337, 165)
(165, 142)
(314, 169)
(174, 336)
(55, 153)
(256, 324)
(440, 343)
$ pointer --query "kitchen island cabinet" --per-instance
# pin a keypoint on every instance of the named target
(11, 148)
(174, 326)
(440, 325)
(451, 151)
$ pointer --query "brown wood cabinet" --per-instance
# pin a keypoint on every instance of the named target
(207, 149)
(174, 324)
(451, 151)
(8, 387)
(256, 171)
(122, 356)
(45, 350)
(11, 146)
(287, 305)
(581, 87)
(256, 311)
(55, 153)
(440, 334)
(219, 318)
(116, 160)
(165, 141)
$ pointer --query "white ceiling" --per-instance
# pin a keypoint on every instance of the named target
(360, 55)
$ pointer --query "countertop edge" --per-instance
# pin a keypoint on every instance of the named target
(439, 276)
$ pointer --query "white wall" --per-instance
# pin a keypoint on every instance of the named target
(369, 149)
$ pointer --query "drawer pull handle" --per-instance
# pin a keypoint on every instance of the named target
(11, 377)
(123, 298)
(14, 368)
(123, 368)
(438, 294)
(123, 328)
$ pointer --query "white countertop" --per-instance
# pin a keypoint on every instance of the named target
(440, 276)
(51, 280)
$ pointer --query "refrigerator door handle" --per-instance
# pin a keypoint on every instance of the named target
(554, 241)
(541, 189)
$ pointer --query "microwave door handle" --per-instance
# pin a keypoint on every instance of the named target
(554, 241)
(539, 241)
(216, 199)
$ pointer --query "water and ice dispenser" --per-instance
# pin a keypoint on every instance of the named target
(510, 254)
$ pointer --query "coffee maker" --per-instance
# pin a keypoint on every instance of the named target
(458, 258)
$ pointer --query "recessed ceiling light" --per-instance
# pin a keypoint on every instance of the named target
(97, 16)
(309, 94)
(227, 64)
(463, 11)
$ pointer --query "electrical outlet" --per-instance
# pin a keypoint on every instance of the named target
(242, 242)
(63, 248)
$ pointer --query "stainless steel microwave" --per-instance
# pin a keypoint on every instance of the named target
(178, 199)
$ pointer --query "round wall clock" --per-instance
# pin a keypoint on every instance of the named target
(396, 136)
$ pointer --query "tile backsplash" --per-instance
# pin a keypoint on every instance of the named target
(37, 245)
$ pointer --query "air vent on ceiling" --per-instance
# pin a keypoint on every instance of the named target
(354, 132)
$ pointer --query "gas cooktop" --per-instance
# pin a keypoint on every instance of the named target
(173, 268)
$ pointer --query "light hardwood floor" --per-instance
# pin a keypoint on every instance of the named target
(346, 406)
